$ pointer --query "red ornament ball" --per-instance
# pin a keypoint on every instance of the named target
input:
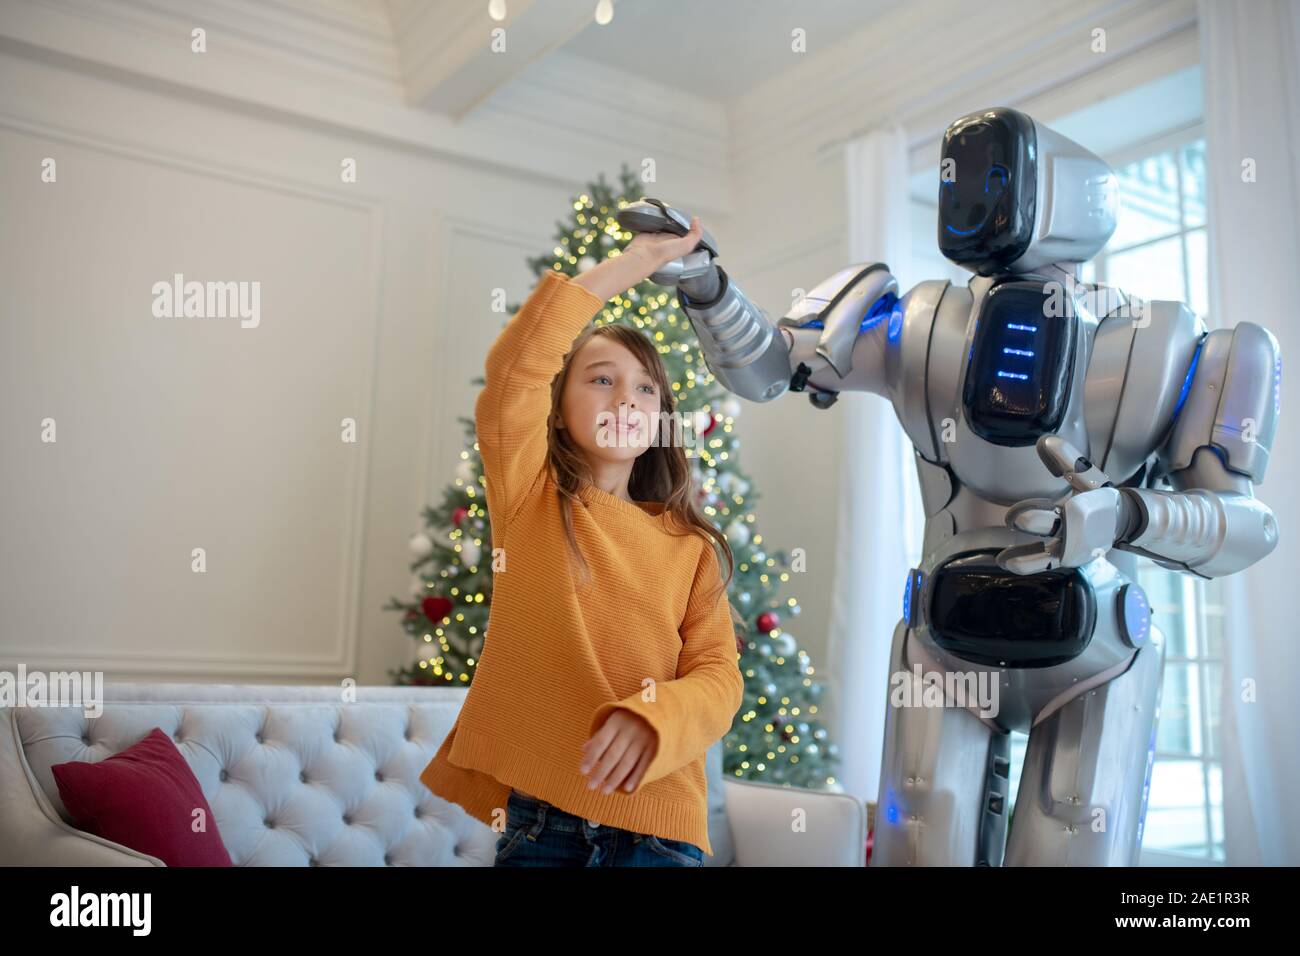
(436, 608)
(458, 516)
(768, 621)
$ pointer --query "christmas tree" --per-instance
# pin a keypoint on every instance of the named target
(777, 736)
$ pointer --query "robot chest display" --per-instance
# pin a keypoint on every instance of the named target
(1021, 364)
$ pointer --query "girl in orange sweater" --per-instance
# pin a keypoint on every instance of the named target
(610, 660)
(609, 665)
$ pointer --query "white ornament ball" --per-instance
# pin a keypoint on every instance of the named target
(738, 534)
(421, 545)
(470, 553)
(730, 407)
(585, 263)
(465, 471)
(785, 645)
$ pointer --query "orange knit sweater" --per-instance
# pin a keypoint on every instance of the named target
(558, 659)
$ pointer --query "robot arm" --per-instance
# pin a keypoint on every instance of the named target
(1223, 430)
(741, 346)
(838, 334)
(834, 339)
(1211, 524)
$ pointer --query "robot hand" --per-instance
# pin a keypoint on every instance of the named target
(1089, 520)
(695, 273)
(741, 346)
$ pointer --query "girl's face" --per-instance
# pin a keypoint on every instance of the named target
(603, 378)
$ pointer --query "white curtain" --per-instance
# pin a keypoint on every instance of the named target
(1250, 57)
(871, 561)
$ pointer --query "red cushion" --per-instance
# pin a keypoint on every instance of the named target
(144, 797)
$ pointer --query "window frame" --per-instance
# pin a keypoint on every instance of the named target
(1169, 141)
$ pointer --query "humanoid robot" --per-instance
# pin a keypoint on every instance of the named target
(1059, 429)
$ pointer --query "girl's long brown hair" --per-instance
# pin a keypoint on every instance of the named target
(660, 473)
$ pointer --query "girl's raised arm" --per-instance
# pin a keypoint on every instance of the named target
(511, 411)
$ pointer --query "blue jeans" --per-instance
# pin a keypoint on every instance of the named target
(538, 833)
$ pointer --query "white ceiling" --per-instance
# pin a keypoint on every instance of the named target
(718, 48)
(712, 83)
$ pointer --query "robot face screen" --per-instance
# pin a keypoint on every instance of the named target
(987, 189)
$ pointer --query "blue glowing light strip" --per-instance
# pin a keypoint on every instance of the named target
(1022, 328)
(1187, 382)
(1002, 374)
(883, 306)
(1024, 352)
(1277, 385)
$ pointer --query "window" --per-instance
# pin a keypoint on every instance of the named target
(1159, 247)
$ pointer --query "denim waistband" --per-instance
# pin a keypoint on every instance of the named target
(549, 815)
(527, 798)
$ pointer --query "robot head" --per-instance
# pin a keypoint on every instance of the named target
(1015, 195)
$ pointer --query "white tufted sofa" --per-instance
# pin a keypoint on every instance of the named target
(296, 777)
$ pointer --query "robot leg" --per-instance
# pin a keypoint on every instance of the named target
(1087, 772)
(942, 780)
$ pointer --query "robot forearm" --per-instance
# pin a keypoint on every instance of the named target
(1210, 533)
(758, 359)
(1210, 525)
(741, 345)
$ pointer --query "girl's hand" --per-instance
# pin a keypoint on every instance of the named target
(619, 752)
(657, 249)
(643, 256)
